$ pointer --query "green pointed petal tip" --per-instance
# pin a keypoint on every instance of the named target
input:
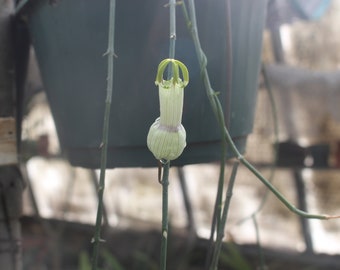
(176, 66)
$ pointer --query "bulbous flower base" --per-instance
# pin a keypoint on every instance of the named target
(166, 142)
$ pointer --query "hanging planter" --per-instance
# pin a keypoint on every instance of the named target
(70, 39)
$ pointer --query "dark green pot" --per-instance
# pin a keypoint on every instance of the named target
(70, 39)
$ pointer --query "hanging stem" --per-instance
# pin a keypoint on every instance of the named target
(217, 107)
(166, 165)
(172, 5)
(172, 37)
(258, 241)
(165, 221)
(221, 229)
(221, 121)
(216, 220)
(110, 57)
(272, 168)
(276, 136)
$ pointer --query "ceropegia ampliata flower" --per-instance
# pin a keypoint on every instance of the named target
(167, 137)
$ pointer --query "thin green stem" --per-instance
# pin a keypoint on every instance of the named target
(258, 241)
(221, 229)
(290, 206)
(172, 36)
(166, 165)
(274, 115)
(110, 57)
(276, 135)
(218, 111)
(276, 142)
(217, 107)
(164, 242)
(216, 220)
(253, 216)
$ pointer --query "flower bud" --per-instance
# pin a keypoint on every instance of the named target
(167, 137)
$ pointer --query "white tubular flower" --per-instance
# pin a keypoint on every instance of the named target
(167, 137)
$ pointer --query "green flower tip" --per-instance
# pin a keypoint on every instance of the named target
(176, 67)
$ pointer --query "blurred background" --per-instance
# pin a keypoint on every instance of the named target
(301, 58)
